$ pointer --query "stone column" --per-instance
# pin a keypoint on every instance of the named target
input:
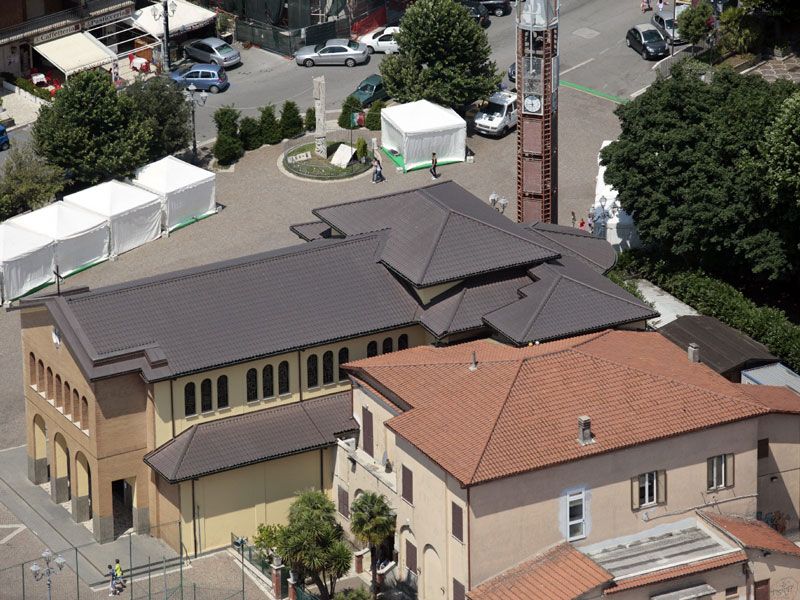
(360, 560)
(292, 587)
(276, 581)
(320, 142)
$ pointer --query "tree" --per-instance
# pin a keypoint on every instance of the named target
(228, 149)
(695, 22)
(781, 151)
(311, 119)
(312, 542)
(353, 594)
(372, 522)
(163, 106)
(291, 121)
(350, 105)
(91, 131)
(444, 57)
(226, 118)
(373, 120)
(28, 182)
(739, 31)
(270, 128)
(250, 133)
(687, 167)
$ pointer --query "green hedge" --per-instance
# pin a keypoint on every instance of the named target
(715, 298)
(28, 86)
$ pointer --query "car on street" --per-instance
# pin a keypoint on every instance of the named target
(5, 142)
(499, 8)
(647, 41)
(512, 72)
(371, 90)
(498, 116)
(478, 12)
(212, 50)
(381, 40)
(333, 52)
(668, 27)
(208, 77)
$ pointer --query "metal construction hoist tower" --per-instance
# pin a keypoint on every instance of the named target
(537, 101)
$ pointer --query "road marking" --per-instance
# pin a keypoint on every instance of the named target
(593, 92)
(640, 92)
(586, 62)
(17, 529)
(15, 447)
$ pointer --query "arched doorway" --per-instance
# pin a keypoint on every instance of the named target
(60, 487)
(39, 467)
(82, 500)
(432, 580)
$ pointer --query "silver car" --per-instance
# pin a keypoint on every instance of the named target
(333, 52)
(212, 51)
(667, 26)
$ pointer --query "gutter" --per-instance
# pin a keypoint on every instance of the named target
(172, 406)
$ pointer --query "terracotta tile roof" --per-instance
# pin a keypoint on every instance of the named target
(752, 534)
(778, 399)
(518, 410)
(675, 573)
(562, 573)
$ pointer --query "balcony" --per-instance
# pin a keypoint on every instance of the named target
(369, 464)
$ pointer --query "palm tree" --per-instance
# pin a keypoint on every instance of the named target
(372, 522)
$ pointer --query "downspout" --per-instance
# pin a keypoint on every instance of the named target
(194, 521)
(322, 469)
(300, 374)
(172, 406)
(469, 546)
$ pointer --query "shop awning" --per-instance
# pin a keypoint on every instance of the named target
(75, 53)
(187, 17)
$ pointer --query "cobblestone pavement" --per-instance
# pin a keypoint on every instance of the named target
(788, 68)
(17, 106)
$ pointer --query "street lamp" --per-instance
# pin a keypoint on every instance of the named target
(195, 100)
(240, 543)
(51, 567)
(165, 11)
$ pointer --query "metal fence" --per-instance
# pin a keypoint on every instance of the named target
(287, 41)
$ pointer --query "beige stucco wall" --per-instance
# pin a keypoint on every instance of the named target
(517, 517)
(782, 465)
(782, 571)
(719, 579)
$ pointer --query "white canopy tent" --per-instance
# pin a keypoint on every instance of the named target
(132, 213)
(75, 52)
(27, 261)
(611, 221)
(411, 132)
(186, 17)
(187, 192)
(81, 236)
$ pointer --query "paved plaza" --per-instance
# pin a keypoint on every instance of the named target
(775, 68)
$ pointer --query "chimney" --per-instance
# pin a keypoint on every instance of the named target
(585, 430)
(694, 353)
(474, 365)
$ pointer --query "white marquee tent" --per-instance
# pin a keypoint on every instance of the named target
(81, 236)
(411, 132)
(187, 192)
(27, 261)
(186, 17)
(133, 214)
(75, 52)
(611, 222)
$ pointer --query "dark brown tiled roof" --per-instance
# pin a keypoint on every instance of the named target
(592, 251)
(311, 231)
(214, 446)
(750, 533)
(561, 573)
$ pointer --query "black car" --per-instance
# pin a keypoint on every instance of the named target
(647, 41)
(499, 8)
(512, 72)
(477, 11)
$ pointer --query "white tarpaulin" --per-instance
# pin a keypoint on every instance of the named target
(418, 129)
(27, 260)
(133, 214)
(187, 17)
(187, 192)
(75, 53)
(611, 222)
(81, 236)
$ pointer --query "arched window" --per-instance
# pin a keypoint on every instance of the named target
(312, 376)
(49, 383)
(59, 392)
(327, 368)
(40, 377)
(402, 342)
(67, 395)
(252, 385)
(222, 391)
(189, 404)
(372, 349)
(206, 403)
(344, 356)
(84, 413)
(76, 406)
(283, 378)
(267, 382)
(388, 345)
(32, 369)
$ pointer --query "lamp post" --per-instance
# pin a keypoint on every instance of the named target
(240, 543)
(164, 11)
(195, 100)
(51, 567)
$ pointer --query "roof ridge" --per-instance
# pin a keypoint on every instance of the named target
(638, 303)
(439, 364)
(442, 227)
(543, 303)
(192, 430)
(544, 234)
(462, 293)
(310, 418)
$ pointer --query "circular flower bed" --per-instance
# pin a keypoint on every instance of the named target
(320, 168)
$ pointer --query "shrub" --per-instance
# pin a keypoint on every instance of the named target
(350, 105)
(311, 119)
(291, 121)
(250, 133)
(226, 118)
(361, 149)
(28, 86)
(739, 31)
(228, 149)
(373, 120)
(270, 128)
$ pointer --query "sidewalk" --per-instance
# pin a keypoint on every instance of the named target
(16, 106)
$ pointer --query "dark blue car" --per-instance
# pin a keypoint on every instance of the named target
(211, 78)
(5, 143)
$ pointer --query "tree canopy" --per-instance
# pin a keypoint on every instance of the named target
(28, 181)
(164, 108)
(91, 131)
(781, 151)
(372, 522)
(689, 165)
(444, 56)
(695, 22)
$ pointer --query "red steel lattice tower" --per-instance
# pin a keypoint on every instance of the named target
(537, 103)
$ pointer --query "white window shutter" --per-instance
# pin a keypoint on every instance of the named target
(661, 487)
(728, 470)
(634, 493)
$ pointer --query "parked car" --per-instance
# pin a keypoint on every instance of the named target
(498, 8)
(478, 12)
(333, 52)
(213, 51)
(381, 40)
(664, 23)
(5, 143)
(512, 72)
(211, 78)
(497, 116)
(370, 90)
(647, 41)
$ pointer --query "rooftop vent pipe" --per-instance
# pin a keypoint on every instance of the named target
(694, 353)
(585, 430)
(474, 365)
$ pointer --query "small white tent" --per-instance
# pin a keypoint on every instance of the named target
(133, 214)
(411, 132)
(611, 221)
(187, 192)
(81, 236)
(27, 261)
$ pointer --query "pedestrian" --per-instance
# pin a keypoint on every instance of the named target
(434, 162)
(118, 574)
(645, 6)
(573, 218)
(112, 583)
(590, 221)
(662, 4)
(582, 225)
(377, 173)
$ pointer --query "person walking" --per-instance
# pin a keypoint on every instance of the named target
(573, 218)
(582, 225)
(377, 173)
(118, 574)
(645, 6)
(112, 583)
(434, 163)
(662, 4)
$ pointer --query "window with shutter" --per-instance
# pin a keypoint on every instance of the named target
(719, 471)
(388, 344)
(267, 382)
(206, 403)
(283, 378)
(729, 470)
(458, 522)
(222, 391)
(411, 557)
(189, 406)
(458, 590)
(366, 431)
(327, 368)
(408, 485)
(344, 503)
(661, 487)
(252, 385)
(312, 374)
(344, 356)
(372, 349)
(402, 342)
